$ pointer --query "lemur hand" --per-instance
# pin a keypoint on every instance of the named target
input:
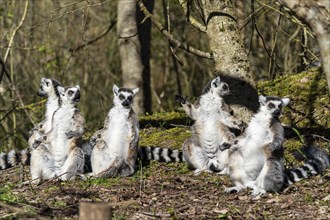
(70, 134)
(92, 141)
(180, 99)
(224, 146)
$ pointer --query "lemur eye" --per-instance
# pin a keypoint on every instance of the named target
(47, 83)
(121, 97)
(129, 98)
(225, 87)
(215, 85)
(271, 105)
(70, 93)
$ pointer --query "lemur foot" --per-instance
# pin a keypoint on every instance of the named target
(234, 189)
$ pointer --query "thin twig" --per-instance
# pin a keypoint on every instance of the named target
(317, 136)
(82, 46)
(175, 41)
(66, 13)
(193, 21)
(11, 40)
(20, 211)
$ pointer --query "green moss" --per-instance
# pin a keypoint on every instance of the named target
(171, 138)
(164, 119)
(7, 195)
(309, 106)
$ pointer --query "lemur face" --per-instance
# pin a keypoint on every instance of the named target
(124, 97)
(48, 87)
(69, 95)
(273, 105)
(216, 86)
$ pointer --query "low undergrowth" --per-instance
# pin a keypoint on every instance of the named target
(172, 191)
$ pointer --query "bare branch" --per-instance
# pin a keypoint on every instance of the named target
(193, 21)
(66, 13)
(11, 41)
(175, 41)
(15, 30)
(82, 46)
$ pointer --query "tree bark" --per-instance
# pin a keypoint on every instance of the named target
(144, 31)
(230, 58)
(130, 50)
(316, 14)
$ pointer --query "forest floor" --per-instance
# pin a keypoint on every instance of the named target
(161, 191)
(172, 191)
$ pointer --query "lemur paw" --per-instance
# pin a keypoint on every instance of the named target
(70, 134)
(224, 146)
(92, 142)
(36, 143)
(181, 99)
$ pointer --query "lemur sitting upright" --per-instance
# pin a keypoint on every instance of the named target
(60, 153)
(48, 88)
(206, 149)
(257, 160)
(115, 147)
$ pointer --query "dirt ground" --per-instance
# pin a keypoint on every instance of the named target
(161, 191)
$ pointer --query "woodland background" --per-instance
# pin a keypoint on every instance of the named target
(76, 42)
(79, 42)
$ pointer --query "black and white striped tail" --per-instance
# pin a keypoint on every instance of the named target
(318, 161)
(14, 158)
(159, 154)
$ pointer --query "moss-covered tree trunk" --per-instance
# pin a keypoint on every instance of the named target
(230, 58)
(316, 14)
(130, 49)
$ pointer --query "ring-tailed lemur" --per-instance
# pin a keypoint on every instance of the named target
(48, 88)
(257, 160)
(115, 147)
(206, 149)
(60, 151)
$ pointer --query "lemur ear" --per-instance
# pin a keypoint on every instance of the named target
(135, 91)
(262, 99)
(215, 82)
(285, 101)
(115, 89)
(77, 86)
(61, 90)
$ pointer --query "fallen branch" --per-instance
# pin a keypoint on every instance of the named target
(19, 211)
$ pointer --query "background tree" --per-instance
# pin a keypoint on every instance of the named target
(77, 42)
(130, 50)
(317, 15)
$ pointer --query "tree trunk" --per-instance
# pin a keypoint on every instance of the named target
(230, 57)
(144, 31)
(94, 210)
(130, 50)
(316, 14)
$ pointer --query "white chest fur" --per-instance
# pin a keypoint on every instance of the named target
(118, 134)
(208, 121)
(257, 135)
(63, 121)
